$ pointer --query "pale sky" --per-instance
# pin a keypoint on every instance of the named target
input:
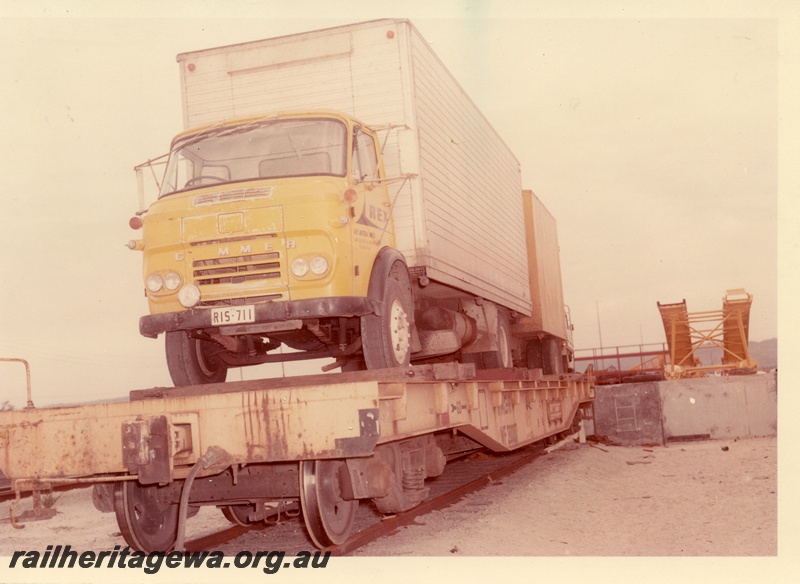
(652, 138)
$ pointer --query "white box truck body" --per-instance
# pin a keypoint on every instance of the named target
(457, 211)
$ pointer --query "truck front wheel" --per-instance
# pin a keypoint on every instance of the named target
(191, 361)
(386, 337)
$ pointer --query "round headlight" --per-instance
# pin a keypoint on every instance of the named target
(300, 267)
(319, 265)
(189, 296)
(154, 282)
(172, 281)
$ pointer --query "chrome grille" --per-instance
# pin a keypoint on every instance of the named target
(237, 260)
(237, 269)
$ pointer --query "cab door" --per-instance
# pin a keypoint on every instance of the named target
(373, 226)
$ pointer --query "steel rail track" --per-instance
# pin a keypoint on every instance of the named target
(386, 525)
(391, 524)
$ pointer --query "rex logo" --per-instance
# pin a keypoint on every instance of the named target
(372, 216)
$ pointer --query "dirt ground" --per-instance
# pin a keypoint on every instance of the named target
(712, 498)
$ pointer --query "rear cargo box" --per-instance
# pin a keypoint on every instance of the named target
(544, 263)
(458, 211)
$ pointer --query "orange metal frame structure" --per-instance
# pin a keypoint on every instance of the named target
(727, 329)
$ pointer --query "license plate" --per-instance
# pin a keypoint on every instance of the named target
(233, 315)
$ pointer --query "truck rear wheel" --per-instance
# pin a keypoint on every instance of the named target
(551, 355)
(191, 361)
(545, 354)
(533, 355)
(501, 358)
(386, 338)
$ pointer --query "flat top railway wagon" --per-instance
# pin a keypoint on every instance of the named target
(256, 449)
(336, 192)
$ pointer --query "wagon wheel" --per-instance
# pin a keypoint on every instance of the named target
(146, 523)
(328, 517)
(238, 514)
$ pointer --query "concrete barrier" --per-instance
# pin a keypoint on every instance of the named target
(629, 413)
(709, 407)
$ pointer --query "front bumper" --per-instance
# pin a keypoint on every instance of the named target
(200, 318)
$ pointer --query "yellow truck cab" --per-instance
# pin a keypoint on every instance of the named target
(269, 230)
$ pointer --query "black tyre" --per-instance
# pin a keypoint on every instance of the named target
(501, 358)
(355, 364)
(545, 354)
(386, 338)
(551, 356)
(533, 355)
(192, 361)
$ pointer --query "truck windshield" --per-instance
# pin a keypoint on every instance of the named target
(257, 150)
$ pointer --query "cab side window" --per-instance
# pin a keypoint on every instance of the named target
(365, 160)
